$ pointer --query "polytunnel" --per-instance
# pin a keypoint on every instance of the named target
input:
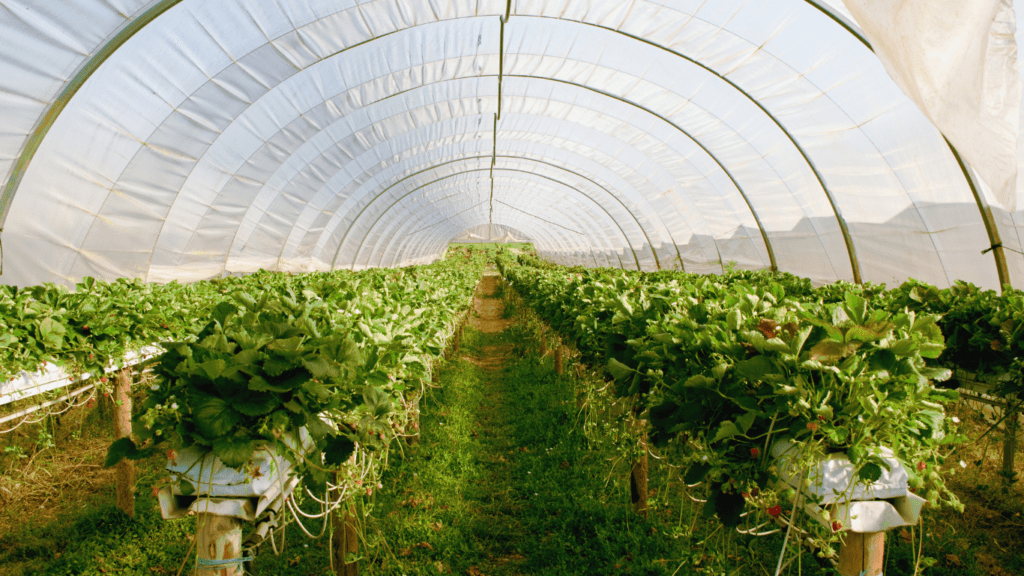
(183, 139)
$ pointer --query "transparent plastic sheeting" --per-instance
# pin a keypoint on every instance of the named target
(957, 60)
(224, 137)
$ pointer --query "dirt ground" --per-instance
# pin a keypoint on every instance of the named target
(47, 484)
(487, 318)
(488, 308)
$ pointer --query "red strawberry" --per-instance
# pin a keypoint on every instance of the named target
(103, 379)
(746, 494)
(921, 466)
(837, 525)
(812, 426)
(774, 511)
(755, 452)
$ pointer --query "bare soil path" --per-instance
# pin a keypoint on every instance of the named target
(488, 304)
(488, 308)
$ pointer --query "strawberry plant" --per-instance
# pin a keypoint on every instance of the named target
(730, 364)
(257, 373)
(330, 357)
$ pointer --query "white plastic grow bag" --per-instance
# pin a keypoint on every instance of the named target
(225, 491)
(833, 491)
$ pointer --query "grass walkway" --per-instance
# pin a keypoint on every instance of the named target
(502, 483)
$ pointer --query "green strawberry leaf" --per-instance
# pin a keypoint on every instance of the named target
(213, 368)
(727, 429)
(870, 473)
(618, 370)
(213, 416)
(255, 403)
(234, 451)
(338, 450)
(124, 448)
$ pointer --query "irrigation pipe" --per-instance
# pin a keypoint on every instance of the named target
(295, 514)
(24, 413)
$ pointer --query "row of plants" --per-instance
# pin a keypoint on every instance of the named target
(982, 328)
(251, 360)
(93, 325)
(729, 365)
(337, 360)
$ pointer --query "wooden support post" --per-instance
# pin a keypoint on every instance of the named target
(219, 538)
(344, 541)
(558, 360)
(413, 434)
(125, 470)
(638, 480)
(435, 377)
(542, 346)
(1010, 446)
(862, 554)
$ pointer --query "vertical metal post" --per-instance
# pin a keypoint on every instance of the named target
(995, 242)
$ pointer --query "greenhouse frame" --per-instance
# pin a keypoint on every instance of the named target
(180, 139)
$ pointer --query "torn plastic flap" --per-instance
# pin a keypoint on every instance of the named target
(872, 516)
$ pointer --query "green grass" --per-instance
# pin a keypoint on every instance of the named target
(502, 482)
(97, 539)
(506, 482)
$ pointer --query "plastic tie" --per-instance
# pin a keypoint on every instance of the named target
(208, 563)
(991, 248)
(1000, 245)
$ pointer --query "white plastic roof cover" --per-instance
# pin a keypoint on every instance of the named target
(957, 60)
(182, 139)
